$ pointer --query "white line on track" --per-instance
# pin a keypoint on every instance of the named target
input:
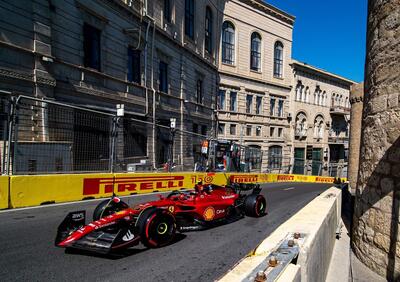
(287, 189)
(79, 202)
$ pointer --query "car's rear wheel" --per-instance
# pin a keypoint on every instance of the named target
(255, 205)
(157, 227)
(108, 207)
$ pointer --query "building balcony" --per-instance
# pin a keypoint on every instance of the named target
(339, 110)
(338, 140)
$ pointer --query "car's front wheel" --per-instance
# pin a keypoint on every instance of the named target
(157, 227)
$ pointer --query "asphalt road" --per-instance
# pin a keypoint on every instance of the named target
(27, 251)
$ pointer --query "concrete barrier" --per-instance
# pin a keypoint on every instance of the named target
(4, 192)
(33, 190)
(319, 220)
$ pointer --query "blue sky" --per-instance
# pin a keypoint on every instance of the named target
(329, 34)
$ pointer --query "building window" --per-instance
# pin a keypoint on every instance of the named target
(208, 32)
(255, 55)
(307, 94)
(271, 131)
(272, 106)
(199, 91)
(258, 105)
(280, 131)
(221, 128)
(248, 130)
(221, 100)
(189, 18)
(228, 43)
(299, 91)
(167, 10)
(258, 130)
(195, 128)
(91, 46)
(233, 102)
(163, 79)
(134, 65)
(232, 129)
(278, 59)
(319, 127)
(301, 125)
(204, 130)
(275, 157)
(280, 108)
(249, 102)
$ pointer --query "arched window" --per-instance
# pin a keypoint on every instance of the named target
(347, 103)
(341, 101)
(208, 43)
(228, 43)
(319, 127)
(278, 59)
(333, 100)
(301, 125)
(255, 55)
(299, 91)
(307, 94)
(317, 95)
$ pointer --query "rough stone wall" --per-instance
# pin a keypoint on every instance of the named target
(356, 100)
(376, 225)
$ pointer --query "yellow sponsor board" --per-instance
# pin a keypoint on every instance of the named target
(4, 196)
(33, 190)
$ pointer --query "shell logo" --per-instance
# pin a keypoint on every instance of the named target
(209, 213)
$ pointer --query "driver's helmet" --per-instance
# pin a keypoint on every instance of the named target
(208, 188)
(199, 187)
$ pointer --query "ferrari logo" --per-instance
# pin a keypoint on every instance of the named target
(209, 214)
(171, 208)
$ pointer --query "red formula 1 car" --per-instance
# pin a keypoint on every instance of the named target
(116, 226)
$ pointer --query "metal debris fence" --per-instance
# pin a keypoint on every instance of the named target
(40, 136)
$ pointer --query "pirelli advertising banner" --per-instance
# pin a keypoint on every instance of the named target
(4, 192)
(32, 190)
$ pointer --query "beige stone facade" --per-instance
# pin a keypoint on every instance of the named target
(268, 111)
(320, 121)
(258, 116)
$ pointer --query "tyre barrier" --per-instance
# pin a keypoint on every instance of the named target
(313, 230)
(32, 190)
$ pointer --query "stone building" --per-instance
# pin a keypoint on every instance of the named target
(319, 121)
(158, 58)
(255, 78)
(376, 229)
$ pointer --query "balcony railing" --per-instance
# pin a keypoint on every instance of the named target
(339, 110)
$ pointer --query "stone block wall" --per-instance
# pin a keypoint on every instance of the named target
(376, 229)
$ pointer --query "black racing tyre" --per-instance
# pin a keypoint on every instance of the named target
(157, 227)
(108, 207)
(255, 205)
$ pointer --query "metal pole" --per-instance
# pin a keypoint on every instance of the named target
(10, 133)
(113, 136)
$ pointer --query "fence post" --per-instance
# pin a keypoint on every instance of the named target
(11, 129)
(114, 122)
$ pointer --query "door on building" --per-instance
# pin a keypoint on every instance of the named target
(316, 161)
(298, 165)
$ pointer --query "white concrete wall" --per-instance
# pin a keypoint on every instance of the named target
(319, 219)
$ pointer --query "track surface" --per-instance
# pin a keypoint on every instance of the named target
(27, 251)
